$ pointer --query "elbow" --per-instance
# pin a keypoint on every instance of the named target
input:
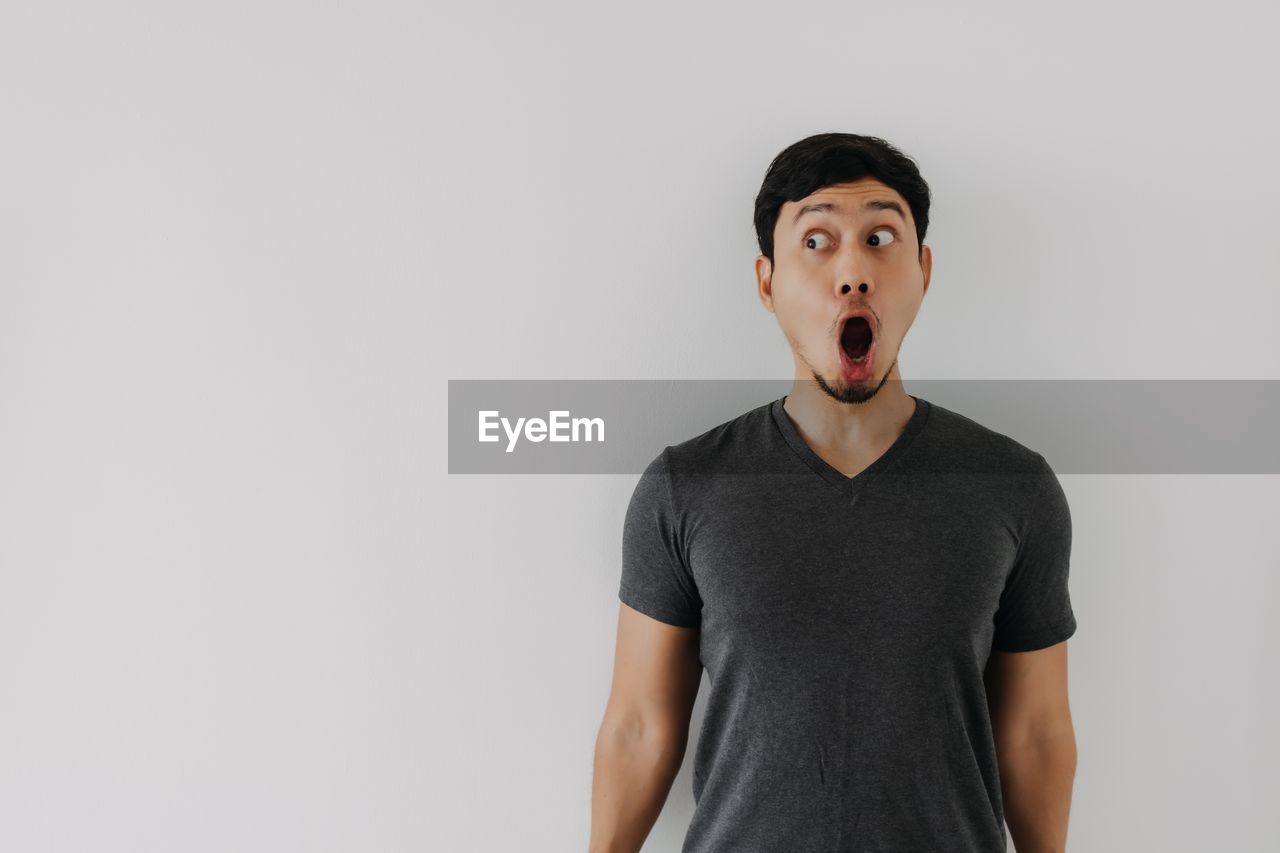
(641, 731)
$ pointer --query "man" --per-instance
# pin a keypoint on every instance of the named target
(876, 585)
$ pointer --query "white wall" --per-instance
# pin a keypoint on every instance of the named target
(242, 605)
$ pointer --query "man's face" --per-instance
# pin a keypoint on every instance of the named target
(821, 257)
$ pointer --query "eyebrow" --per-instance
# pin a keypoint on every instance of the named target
(828, 207)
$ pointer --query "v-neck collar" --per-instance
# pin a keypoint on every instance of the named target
(855, 484)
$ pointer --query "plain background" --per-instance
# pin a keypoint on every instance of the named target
(242, 604)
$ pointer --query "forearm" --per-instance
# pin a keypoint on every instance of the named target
(1037, 775)
(632, 777)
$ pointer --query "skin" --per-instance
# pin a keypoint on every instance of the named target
(657, 670)
(1035, 744)
(642, 740)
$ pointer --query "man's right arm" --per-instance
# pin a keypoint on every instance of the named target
(642, 740)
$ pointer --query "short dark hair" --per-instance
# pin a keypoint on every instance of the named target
(826, 159)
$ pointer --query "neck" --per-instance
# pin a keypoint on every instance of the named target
(849, 427)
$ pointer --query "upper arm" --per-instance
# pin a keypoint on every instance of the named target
(1027, 694)
(657, 664)
(656, 673)
(655, 579)
(1035, 609)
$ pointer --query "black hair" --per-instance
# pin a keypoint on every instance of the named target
(826, 159)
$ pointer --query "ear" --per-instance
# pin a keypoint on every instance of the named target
(764, 282)
(926, 264)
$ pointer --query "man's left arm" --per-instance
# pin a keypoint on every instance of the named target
(1035, 744)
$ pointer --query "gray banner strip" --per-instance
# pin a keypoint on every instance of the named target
(604, 426)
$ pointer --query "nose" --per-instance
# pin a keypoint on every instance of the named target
(852, 274)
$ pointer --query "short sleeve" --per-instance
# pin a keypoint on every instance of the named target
(1035, 607)
(655, 579)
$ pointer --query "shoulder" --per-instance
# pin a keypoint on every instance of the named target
(673, 482)
(959, 443)
(994, 476)
(736, 445)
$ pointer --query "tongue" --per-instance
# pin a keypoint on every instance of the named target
(856, 337)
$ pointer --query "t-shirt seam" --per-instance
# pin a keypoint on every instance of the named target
(811, 464)
(1047, 629)
(680, 572)
(911, 439)
(1035, 506)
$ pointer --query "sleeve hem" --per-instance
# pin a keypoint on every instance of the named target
(1049, 638)
(658, 612)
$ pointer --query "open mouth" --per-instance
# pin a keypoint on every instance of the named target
(856, 338)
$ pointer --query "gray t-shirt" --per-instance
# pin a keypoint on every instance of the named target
(845, 624)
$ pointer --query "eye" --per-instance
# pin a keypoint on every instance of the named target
(815, 240)
(877, 241)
